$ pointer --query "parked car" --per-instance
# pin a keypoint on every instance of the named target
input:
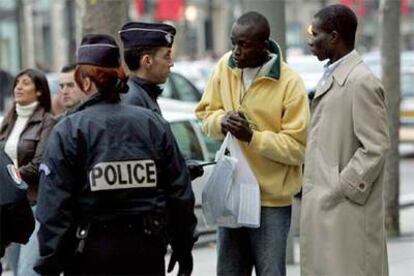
(194, 144)
(177, 88)
(180, 88)
(197, 71)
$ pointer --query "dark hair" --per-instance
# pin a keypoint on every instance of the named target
(132, 56)
(109, 81)
(341, 19)
(68, 68)
(258, 21)
(41, 85)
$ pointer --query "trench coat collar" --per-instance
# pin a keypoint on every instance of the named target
(323, 87)
(340, 74)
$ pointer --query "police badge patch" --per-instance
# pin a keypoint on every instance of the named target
(123, 175)
(169, 38)
(44, 168)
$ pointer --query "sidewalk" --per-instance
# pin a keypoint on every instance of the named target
(400, 252)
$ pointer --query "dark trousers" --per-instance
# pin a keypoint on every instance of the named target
(120, 253)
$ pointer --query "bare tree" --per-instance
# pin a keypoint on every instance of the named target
(103, 16)
(274, 10)
(390, 58)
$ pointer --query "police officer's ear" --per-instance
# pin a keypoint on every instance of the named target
(88, 85)
(146, 61)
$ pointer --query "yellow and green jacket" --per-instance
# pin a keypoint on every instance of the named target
(277, 109)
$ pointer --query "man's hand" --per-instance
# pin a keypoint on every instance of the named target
(225, 121)
(237, 124)
(194, 168)
(185, 264)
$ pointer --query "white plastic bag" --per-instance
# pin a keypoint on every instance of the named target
(217, 189)
(246, 188)
(231, 196)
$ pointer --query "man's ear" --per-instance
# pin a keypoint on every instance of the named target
(267, 44)
(334, 37)
(146, 61)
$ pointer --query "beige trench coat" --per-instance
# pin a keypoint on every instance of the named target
(342, 213)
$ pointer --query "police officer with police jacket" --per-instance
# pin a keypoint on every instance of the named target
(16, 217)
(113, 189)
(148, 55)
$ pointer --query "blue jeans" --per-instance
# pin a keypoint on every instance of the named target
(264, 248)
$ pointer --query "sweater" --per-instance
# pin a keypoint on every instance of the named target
(23, 114)
(277, 108)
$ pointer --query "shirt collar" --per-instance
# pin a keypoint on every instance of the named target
(329, 68)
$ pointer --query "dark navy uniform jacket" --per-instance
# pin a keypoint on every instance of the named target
(105, 162)
(16, 217)
(142, 93)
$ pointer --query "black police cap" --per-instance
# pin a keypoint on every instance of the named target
(141, 34)
(100, 50)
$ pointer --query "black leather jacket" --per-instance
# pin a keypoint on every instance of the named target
(108, 161)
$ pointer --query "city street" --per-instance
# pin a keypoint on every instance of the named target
(400, 250)
(116, 117)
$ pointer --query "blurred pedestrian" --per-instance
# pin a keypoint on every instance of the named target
(147, 53)
(342, 214)
(23, 135)
(6, 82)
(113, 185)
(16, 217)
(69, 92)
(255, 96)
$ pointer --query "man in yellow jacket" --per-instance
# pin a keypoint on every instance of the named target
(256, 97)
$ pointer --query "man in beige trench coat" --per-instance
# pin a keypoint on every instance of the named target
(342, 220)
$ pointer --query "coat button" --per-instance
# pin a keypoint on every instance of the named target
(361, 186)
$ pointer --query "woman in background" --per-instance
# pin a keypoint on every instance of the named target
(23, 135)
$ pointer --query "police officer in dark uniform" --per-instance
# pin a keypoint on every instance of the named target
(114, 190)
(147, 53)
(16, 217)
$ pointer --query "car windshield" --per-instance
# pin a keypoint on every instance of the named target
(180, 88)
